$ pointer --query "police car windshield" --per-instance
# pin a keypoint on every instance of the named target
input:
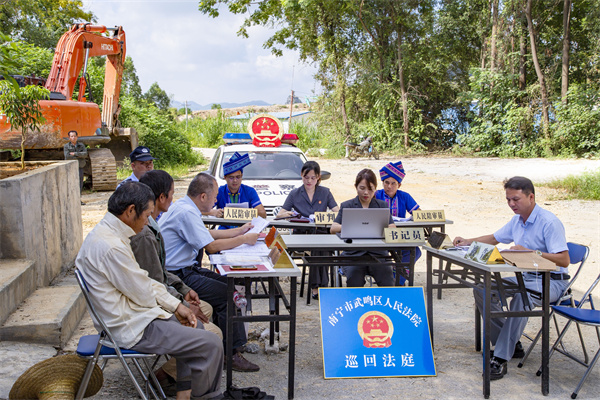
(271, 165)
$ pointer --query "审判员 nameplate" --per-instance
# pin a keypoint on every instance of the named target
(325, 217)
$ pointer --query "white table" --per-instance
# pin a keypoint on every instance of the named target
(275, 293)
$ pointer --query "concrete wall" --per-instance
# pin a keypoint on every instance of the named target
(40, 217)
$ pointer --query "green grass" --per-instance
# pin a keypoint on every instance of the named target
(177, 171)
(582, 187)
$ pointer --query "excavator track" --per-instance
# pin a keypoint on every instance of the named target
(104, 169)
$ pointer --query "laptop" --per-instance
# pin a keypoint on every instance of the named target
(364, 223)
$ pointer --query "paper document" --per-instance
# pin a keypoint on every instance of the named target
(238, 205)
(259, 224)
(400, 219)
(238, 259)
(259, 249)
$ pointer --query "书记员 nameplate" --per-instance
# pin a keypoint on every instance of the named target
(404, 235)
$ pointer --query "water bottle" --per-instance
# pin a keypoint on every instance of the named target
(239, 299)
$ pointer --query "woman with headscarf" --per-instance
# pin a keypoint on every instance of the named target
(399, 202)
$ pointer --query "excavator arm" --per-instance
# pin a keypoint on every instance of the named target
(72, 53)
(62, 113)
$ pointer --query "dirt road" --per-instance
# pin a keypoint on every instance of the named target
(470, 191)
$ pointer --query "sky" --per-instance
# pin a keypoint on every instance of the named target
(197, 58)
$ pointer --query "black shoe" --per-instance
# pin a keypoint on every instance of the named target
(240, 364)
(169, 386)
(315, 296)
(519, 352)
(82, 203)
(498, 368)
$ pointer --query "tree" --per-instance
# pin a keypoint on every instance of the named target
(40, 22)
(32, 60)
(8, 52)
(22, 109)
(130, 84)
(158, 96)
(538, 71)
(565, 52)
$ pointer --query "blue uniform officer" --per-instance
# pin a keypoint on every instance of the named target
(234, 192)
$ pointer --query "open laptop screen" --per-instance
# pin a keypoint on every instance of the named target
(364, 223)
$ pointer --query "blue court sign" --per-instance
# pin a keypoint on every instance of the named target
(375, 332)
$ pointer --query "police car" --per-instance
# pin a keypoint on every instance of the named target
(275, 163)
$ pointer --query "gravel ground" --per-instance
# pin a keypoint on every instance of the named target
(470, 192)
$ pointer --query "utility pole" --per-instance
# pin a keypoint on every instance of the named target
(186, 117)
(291, 108)
(291, 101)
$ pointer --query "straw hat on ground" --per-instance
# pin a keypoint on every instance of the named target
(56, 378)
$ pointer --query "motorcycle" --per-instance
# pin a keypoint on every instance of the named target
(364, 148)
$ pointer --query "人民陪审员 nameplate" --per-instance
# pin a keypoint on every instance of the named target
(404, 235)
(375, 332)
(324, 217)
(244, 214)
(429, 216)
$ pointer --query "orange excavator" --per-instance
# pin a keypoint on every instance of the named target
(62, 113)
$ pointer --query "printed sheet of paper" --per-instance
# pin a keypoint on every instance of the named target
(259, 249)
(238, 205)
(259, 224)
(238, 259)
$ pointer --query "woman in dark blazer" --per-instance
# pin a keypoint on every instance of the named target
(366, 185)
(306, 200)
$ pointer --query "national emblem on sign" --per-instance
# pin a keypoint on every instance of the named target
(265, 130)
(376, 329)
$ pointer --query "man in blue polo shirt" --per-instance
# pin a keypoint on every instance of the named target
(532, 228)
(186, 237)
(234, 192)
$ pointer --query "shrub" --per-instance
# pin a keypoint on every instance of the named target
(158, 131)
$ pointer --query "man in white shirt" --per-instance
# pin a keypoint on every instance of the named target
(531, 228)
(186, 238)
(139, 311)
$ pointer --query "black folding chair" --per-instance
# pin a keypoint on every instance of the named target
(103, 347)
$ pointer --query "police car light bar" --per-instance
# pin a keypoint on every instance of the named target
(237, 138)
(245, 138)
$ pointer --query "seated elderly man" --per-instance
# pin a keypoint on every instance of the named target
(234, 192)
(139, 311)
(186, 238)
(149, 249)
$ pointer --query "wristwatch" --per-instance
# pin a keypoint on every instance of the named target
(539, 253)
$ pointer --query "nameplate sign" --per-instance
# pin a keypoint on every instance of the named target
(404, 235)
(324, 217)
(429, 216)
(385, 332)
(244, 214)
